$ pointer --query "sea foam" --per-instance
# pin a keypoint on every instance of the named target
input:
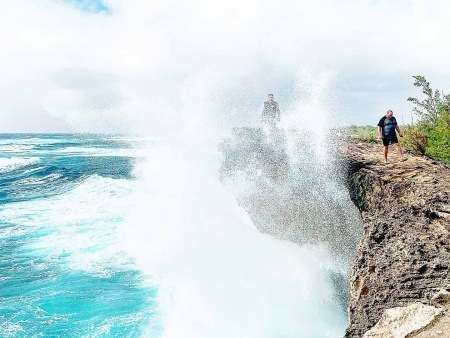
(14, 163)
(218, 275)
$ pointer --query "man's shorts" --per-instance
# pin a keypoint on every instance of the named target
(392, 140)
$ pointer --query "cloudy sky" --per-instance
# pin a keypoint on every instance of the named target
(147, 66)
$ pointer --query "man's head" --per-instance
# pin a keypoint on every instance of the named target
(389, 114)
(270, 97)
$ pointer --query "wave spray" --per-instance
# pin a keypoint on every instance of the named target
(217, 274)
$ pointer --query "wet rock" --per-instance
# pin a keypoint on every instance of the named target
(292, 193)
(285, 187)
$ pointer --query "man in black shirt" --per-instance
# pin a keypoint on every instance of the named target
(270, 112)
(386, 132)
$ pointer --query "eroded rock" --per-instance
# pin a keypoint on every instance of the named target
(404, 256)
(400, 322)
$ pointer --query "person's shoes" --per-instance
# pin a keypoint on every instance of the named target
(403, 159)
(385, 162)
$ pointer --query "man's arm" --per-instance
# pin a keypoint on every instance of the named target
(380, 135)
(278, 115)
(380, 128)
(398, 129)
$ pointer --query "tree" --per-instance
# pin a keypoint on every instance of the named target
(429, 109)
(431, 135)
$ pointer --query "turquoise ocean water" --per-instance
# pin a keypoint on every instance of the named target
(62, 273)
(116, 236)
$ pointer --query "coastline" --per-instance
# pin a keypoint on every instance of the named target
(404, 256)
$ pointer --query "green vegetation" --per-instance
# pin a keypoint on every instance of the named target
(414, 139)
(363, 133)
(430, 109)
(439, 138)
(431, 134)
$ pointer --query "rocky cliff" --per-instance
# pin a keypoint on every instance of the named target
(401, 271)
(400, 250)
(289, 190)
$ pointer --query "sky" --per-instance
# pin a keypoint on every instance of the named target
(128, 66)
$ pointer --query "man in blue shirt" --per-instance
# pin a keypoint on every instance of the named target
(386, 132)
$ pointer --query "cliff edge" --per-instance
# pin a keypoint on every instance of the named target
(400, 275)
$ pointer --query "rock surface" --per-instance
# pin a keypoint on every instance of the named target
(402, 262)
(399, 322)
(285, 187)
(404, 256)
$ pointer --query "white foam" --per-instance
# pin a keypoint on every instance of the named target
(97, 152)
(219, 276)
(36, 180)
(79, 224)
(16, 148)
(32, 141)
(138, 139)
(10, 329)
(33, 170)
(14, 163)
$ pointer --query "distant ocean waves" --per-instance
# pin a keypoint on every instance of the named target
(62, 270)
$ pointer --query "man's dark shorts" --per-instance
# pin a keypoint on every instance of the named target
(392, 140)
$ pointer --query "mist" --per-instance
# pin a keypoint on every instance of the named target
(124, 69)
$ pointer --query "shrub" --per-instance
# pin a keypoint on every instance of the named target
(431, 136)
(415, 139)
(439, 138)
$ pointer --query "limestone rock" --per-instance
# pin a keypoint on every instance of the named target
(441, 298)
(404, 256)
(399, 322)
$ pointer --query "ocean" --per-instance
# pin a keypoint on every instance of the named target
(62, 272)
(119, 236)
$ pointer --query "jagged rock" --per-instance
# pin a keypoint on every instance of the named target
(400, 322)
(441, 298)
(291, 193)
(404, 256)
(286, 197)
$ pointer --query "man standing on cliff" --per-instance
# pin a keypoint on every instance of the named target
(271, 112)
(386, 132)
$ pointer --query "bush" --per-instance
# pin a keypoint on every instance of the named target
(439, 138)
(415, 139)
(431, 136)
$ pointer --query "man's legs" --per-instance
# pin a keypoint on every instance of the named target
(399, 151)
(386, 150)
